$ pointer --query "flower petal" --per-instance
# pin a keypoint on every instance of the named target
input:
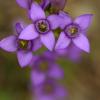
(9, 43)
(19, 28)
(66, 19)
(37, 12)
(84, 20)
(23, 3)
(82, 43)
(54, 20)
(37, 44)
(45, 3)
(48, 40)
(24, 57)
(62, 42)
(56, 72)
(37, 77)
(29, 33)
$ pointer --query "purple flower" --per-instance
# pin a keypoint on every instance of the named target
(73, 32)
(22, 47)
(42, 27)
(50, 90)
(42, 67)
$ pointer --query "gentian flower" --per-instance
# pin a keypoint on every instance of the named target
(42, 67)
(50, 90)
(74, 32)
(42, 27)
(22, 47)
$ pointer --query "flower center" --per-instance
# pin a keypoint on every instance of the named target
(23, 44)
(42, 26)
(72, 30)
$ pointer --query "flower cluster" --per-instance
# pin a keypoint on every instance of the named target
(42, 30)
(45, 75)
(53, 28)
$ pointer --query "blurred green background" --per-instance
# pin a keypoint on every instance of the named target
(81, 79)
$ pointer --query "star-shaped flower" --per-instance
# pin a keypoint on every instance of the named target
(22, 47)
(42, 27)
(50, 90)
(44, 66)
(74, 32)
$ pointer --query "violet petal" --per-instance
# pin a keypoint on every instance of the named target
(48, 40)
(63, 41)
(9, 43)
(84, 21)
(29, 33)
(23, 3)
(19, 27)
(54, 20)
(37, 44)
(24, 57)
(37, 12)
(82, 42)
(66, 19)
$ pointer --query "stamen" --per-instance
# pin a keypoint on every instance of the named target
(23, 44)
(72, 30)
(42, 26)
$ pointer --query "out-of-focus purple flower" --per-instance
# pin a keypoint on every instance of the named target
(42, 27)
(22, 47)
(50, 90)
(54, 6)
(73, 32)
(42, 67)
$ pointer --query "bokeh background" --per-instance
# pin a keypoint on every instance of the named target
(82, 79)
